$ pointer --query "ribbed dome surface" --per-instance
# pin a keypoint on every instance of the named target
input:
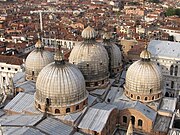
(63, 84)
(113, 51)
(144, 77)
(91, 59)
(36, 60)
(88, 33)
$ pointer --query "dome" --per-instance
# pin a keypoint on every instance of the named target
(92, 60)
(36, 60)
(115, 61)
(62, 85)
(88, 33)
(144, 80)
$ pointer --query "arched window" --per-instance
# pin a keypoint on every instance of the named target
(138, 97)
(57, 111)
(39, 106)
(124, 119)
(176, 70)
(131, 95)
(140, 122)
(67, 110)
(77, 107)
(102, 81)
(167, 94)
(32, 73)
(150, 90)
(145, 98)
(172, 84)
(133, 120)
(171, 70)
(153, 98)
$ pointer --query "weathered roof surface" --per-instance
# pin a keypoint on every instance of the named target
(164, 48)
(54, 127)
(174, 131)
(148, 112)
(20, 102)
(19, 78)
(27, 86)
(11, 60)
(91, 99)
(96, 117)
(162, 123)
(112, 94)
(20, 131)
(168, 104)
(20, 120)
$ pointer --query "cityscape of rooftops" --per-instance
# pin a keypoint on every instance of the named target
(89, 67)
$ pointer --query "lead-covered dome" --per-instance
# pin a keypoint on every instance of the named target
(115, 56)
(92, 59)
(60, 87)
(144, 80)
(36, 60)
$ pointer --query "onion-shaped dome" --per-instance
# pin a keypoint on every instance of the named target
(92, 60)
(60, 88)
(36, 60)
(115, 56)
(144, 80)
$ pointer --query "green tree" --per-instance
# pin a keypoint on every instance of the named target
(170, 11)
(177, 12)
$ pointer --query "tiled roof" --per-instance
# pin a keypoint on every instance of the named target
(11, 60)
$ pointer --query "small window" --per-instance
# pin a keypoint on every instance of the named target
(131, 95)
(96, 83)
(87, 64)
(124, 119)
(140, 122)
(57, 111)
(153, 98)
(2, 67)
(138, 97)
(67, 110)
(39, 106)
(101, 63)
(133, 119)
(145, 98)
(9, 68)
(77, 107)
(16, 69)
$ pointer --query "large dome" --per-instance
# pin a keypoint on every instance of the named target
(61, 87)
(92, 59)
(36, 60)
(144, 80)
(115, 56)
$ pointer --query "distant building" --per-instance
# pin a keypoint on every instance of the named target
(167, 56)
